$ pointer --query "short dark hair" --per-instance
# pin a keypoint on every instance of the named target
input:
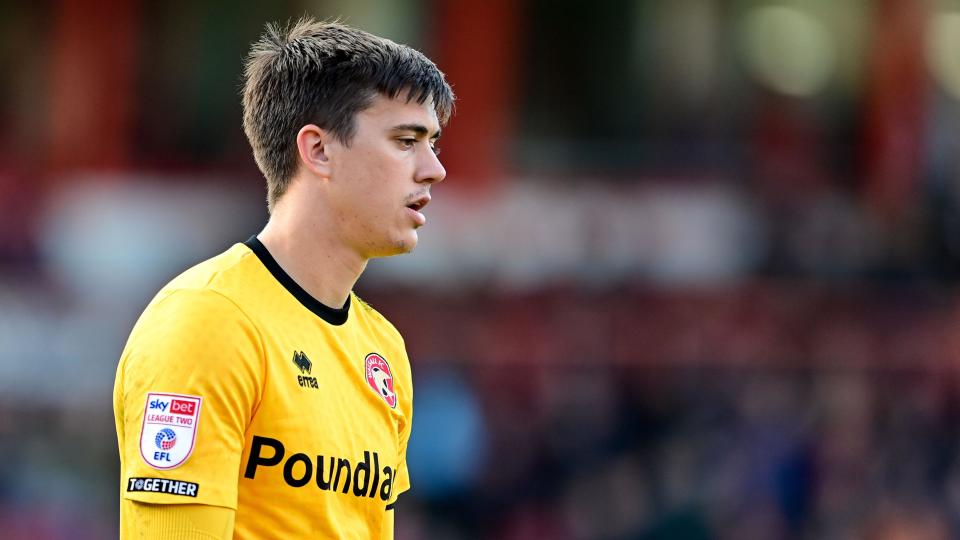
(324, 73)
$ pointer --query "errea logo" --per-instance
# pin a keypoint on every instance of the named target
(306, 367)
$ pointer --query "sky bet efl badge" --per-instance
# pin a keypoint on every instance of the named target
(169, 429)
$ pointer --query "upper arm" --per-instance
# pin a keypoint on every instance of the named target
(401, 482)
(192, 348)
(181, 521)
(404, 387)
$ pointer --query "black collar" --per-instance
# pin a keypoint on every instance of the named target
(331, 315)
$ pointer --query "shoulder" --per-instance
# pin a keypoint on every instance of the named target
(394, 351)
(200, 305)
(188, 321)
(227, 273)
(199, 308)
(376, 320)
(192, 334)
(218, 284)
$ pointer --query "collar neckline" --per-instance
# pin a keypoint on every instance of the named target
(331, 315)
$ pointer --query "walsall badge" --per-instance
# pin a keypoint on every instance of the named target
(380, 378)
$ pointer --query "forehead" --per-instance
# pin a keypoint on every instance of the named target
(388, 112)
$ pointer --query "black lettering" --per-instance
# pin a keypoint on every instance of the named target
(163, 485)
(365, 475)
(376, 475)
(288, 470)
(364, 467)
(341, 465)
(324, 483)
(256, 459)
(307, 382)
(387, 488)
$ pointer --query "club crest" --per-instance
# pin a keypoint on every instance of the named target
(380, 378)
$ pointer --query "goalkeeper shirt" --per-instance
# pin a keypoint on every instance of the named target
(238, 389)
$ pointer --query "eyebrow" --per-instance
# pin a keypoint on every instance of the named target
(419, 129)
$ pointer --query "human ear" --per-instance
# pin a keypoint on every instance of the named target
(312, 145)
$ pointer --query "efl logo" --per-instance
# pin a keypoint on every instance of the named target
(380, 378)
(169, 429)
(166, 439)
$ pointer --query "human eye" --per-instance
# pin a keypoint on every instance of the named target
(407, 142)
(435, 148)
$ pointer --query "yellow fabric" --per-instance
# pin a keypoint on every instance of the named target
(386, 531)
(179, 521)
(289, 432)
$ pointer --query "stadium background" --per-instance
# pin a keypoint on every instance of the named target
(692, 274)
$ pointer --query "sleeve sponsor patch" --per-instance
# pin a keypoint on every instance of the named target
(163, 485)
(169, 429)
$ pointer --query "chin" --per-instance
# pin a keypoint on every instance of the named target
(400, 246)
(408, 245)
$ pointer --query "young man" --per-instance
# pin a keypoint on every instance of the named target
(257, 397)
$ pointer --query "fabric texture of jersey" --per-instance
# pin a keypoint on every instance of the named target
(296, 415)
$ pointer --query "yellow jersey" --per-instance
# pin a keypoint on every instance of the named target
(238, 389)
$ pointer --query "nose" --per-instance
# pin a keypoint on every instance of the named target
(429, 169)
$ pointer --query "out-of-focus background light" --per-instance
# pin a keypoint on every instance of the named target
(788, 50)
(943, 40)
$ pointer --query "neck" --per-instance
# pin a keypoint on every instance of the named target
(325, 268)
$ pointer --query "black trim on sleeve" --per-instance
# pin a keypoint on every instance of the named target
(333, 316)
(391, 505)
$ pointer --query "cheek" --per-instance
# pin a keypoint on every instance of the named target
(372, 210)
(379, 188)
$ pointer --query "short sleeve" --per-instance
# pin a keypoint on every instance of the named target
(405, 404)
(187, 385)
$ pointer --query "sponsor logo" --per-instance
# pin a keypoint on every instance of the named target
(163, 485)
(306, 367)
(380, 378)
(361, 478)
(179, 406)
(169, 429)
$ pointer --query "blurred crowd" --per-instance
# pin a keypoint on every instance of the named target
(705, 453)
(783, 412)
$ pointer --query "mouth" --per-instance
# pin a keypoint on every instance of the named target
(415, 207)
(418, 204)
